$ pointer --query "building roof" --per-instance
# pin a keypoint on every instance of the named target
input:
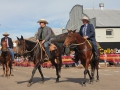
(105, 17)
(57, 31)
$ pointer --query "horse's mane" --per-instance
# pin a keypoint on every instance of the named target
(4, 44)
(79, 36)
(30, 41)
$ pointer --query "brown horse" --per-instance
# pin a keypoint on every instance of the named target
(85, 53)
(6, 59)
(37, 53)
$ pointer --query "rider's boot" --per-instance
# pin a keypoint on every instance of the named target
(48, 56)
(97, 56)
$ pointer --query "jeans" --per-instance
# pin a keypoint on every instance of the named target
(46, 45)
(95, 47)
(11, 52)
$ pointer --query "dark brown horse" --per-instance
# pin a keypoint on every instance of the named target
(85, 53)
(38, 54)
(6, 59)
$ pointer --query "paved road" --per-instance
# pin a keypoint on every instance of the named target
(70, 80)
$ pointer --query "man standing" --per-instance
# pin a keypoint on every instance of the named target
(9, 44)
(44, 34)
(87, 32)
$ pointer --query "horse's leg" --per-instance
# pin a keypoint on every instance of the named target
(59, 64)
(92, 71)
(40, 71)
(86, 64)
(89, 76)
(97, 67)
(85, 72)
(10, 66)
(57, 70)
(3, 69)
(7, 68)
(33, 72)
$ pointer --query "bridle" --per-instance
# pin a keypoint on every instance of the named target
(79, 44)
(24, 48)
(38, 43)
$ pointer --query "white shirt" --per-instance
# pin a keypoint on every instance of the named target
(84, 28)
(6, 39)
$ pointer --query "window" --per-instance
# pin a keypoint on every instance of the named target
(109, 32)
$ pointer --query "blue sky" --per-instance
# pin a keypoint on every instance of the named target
(19, 17)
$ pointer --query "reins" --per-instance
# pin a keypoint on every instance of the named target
(78, 44)
(32, 49)
(35, 47)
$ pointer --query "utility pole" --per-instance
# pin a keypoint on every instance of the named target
(5, 26)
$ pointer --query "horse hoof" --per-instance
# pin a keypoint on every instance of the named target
(12, 75)
(41, 82)
(91, 82)
(97, 80)
(29, 84)
(3, 76)
(57, 80)
(83, 84)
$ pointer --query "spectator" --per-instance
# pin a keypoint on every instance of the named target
(111, 51)
(105, 59)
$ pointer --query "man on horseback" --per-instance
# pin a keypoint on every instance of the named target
(44, 34)
(9, 44)
(87, 32)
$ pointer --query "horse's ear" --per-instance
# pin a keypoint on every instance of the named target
(74, 30)
(22, 37)
(17, 38)
(68, 30)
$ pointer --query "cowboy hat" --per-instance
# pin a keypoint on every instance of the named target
(42, 21)
(85, 18)
(5, 34)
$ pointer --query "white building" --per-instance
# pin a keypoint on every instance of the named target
(57, 31)
(105, 21)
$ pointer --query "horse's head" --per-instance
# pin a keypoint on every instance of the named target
(4, 45)
(70, 38)
(21, 45)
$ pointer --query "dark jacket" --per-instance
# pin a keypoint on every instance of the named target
(10, 43)
(47, 33)
(90, 32)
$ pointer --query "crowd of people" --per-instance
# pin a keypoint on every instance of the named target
(110, 51)
(111, 59)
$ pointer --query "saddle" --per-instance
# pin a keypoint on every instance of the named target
(52, 47)
(90, 43)
(98, 47)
